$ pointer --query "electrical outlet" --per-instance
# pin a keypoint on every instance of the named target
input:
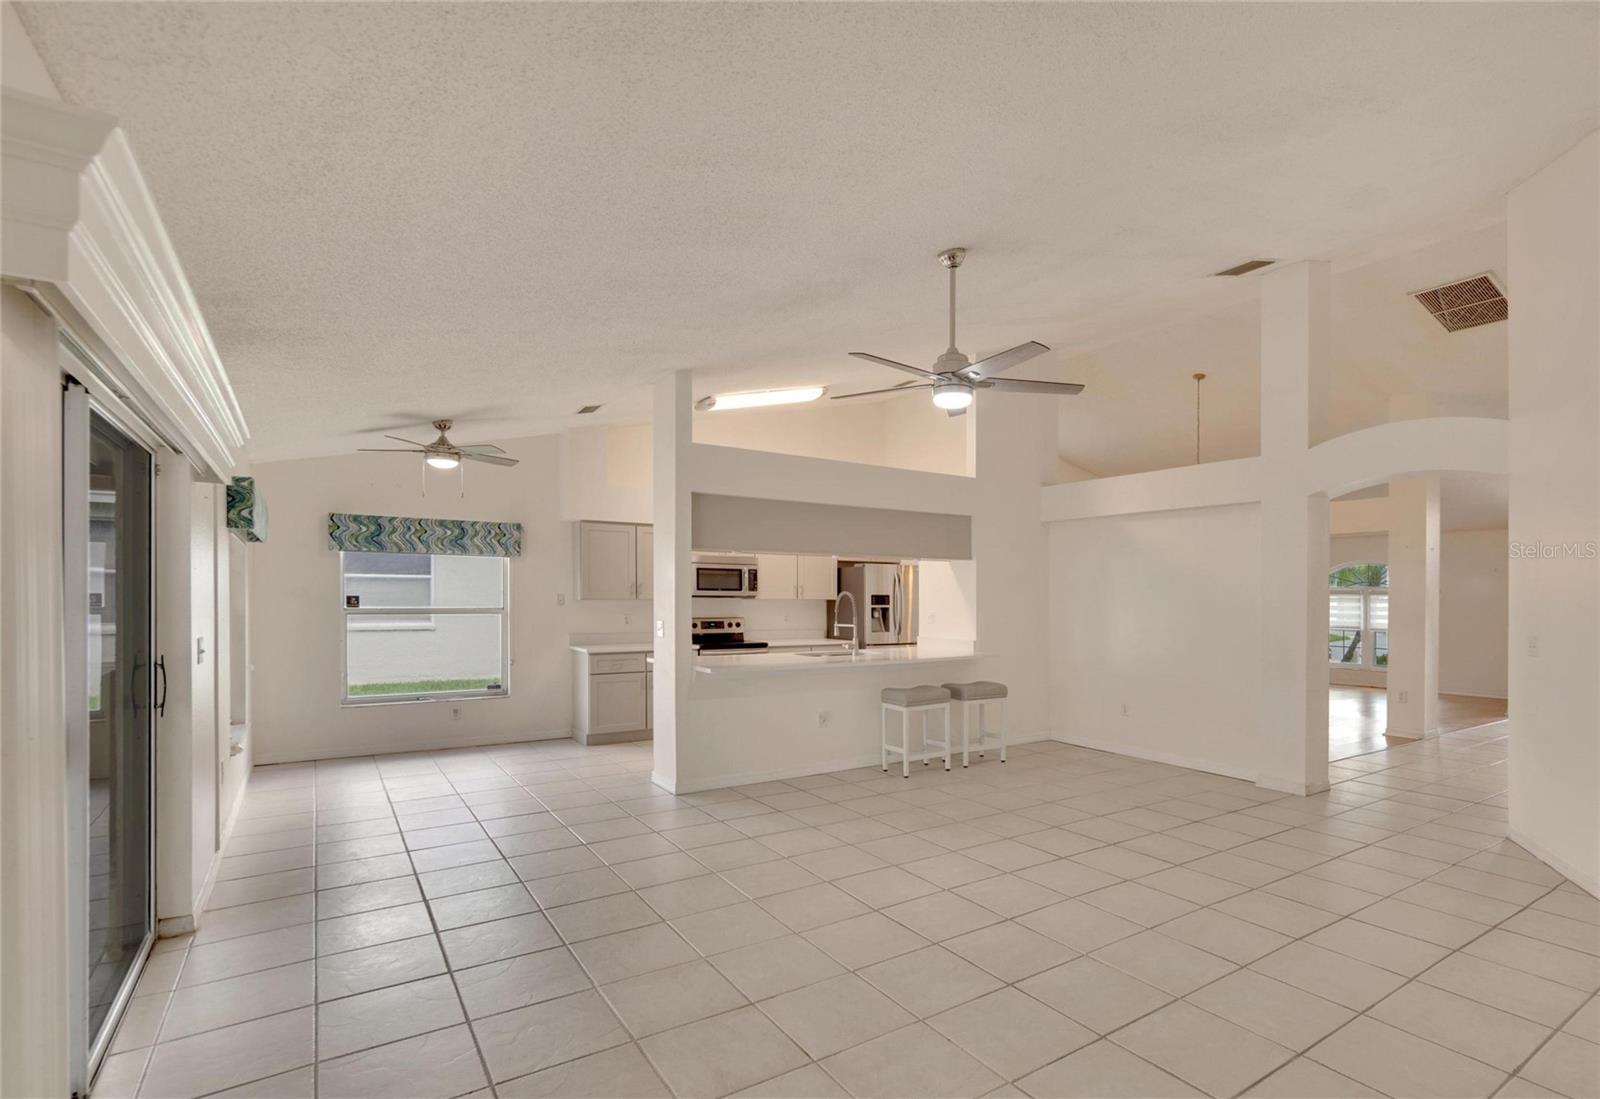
(1124, 709)
(561, 599)
(1533, 644)
(455, 713)
(627, 619)
(1405, 696)
(824, 719)
(661, 628)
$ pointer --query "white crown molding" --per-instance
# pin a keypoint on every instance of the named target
(81, 228)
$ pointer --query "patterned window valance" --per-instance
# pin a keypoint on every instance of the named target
(247, 512)
(399, 534)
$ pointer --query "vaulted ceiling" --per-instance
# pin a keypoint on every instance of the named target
(504, 211)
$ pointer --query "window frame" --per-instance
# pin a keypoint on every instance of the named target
(503, 611)
(1368, 661)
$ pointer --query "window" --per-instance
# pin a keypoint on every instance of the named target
(420, 625)
(1358, 616)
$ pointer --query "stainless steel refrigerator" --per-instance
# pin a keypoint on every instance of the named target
(881, 600)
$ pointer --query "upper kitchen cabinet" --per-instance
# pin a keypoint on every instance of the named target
(819, 577)
(777, 576)
(644, 561)
(610, 562)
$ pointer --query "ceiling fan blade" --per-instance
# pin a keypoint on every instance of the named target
(881, 361)
(413, 442)
(481, 447)
(1005, 360)
(954, 412)
(388, 450)
(492, 459)
(1021, 385)
(875, 392)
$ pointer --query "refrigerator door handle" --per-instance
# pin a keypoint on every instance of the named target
(899, 597)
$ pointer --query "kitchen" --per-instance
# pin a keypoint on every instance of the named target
(762, 614)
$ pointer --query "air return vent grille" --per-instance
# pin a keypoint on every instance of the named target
(1465, 304)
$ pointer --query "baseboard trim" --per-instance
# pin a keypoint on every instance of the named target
(266, 758)
(1588, 882)
(718, 782)
(1133, 751)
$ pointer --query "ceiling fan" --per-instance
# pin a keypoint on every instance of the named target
(442, 453)
(954, 377)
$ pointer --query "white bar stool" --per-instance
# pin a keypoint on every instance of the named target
(922, 699)
(980, 693)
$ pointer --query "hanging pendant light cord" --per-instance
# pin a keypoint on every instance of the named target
(1198, 378)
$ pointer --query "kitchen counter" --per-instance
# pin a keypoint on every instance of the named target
(878, 656)
(773, 645)
(601, 647)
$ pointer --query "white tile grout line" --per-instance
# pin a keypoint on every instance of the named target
(1436, 815)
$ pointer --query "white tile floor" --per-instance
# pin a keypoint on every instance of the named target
(539, 920)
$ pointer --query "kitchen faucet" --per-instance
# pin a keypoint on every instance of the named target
(855, 638)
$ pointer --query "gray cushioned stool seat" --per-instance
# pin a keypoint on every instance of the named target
(924, 694)
(977, 690)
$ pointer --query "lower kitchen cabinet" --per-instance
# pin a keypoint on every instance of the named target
(610, 697)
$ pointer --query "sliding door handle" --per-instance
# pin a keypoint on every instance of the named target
(161, 704)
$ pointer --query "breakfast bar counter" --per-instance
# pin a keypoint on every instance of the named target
(742, 664)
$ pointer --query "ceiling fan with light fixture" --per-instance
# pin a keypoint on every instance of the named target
(955, 378)
(442, 453)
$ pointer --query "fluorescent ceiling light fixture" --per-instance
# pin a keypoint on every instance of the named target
(443, 461)
(760, 398)
(952, 396)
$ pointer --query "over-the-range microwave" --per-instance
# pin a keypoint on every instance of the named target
(724, 576)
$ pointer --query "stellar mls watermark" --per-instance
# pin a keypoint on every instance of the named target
(1554, 551)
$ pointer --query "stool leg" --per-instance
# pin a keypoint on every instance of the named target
(883, 738)
(966, 732)
(925, 738)
(947, 736)
(1004, 706)
(905, 743)
(978, 709)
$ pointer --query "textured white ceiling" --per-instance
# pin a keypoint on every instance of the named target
(394, 211)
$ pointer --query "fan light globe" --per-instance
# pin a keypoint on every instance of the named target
(443, 461)
(952, 397)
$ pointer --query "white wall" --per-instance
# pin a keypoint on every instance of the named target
(33, 851)
(297, 618)
(1159, 613)
(605, 473)
(1553, 246)
(1473, 613)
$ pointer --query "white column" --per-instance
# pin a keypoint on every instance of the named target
(671, 438)
(1413, 607)
(1553, 268)
(1295, 329)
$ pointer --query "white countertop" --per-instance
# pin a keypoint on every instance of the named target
(646, 645)
(643, 646)
(879, 656)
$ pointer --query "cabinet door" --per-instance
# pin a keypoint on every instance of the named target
(644, 553)
(777, 576)
(606, 567)
(617, 702)
(819, 577)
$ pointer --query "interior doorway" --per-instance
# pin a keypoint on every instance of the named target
(1417, 606)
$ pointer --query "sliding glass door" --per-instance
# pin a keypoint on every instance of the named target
(114, 686)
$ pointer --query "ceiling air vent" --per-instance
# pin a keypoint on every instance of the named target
(1465, 304)
(1246, 267)
(588, 409)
